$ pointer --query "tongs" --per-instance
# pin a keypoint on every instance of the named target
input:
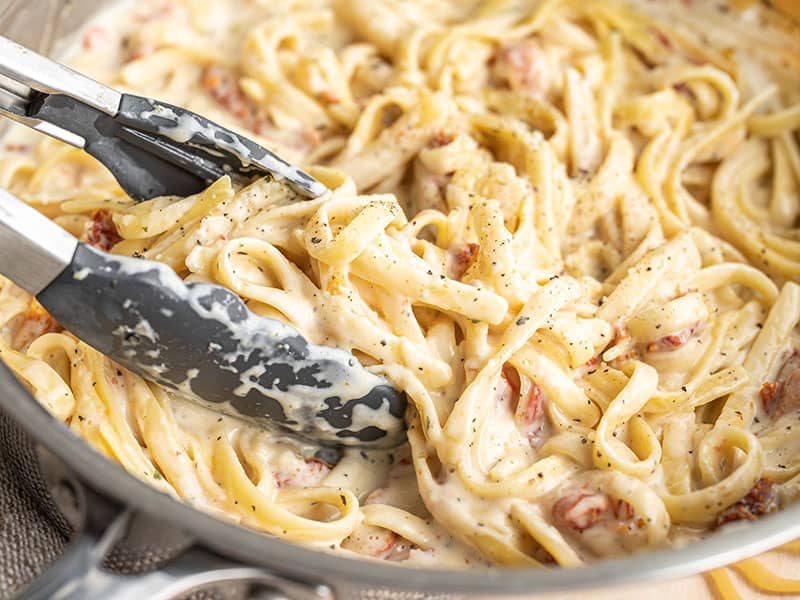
(197, 339)
(152, 148)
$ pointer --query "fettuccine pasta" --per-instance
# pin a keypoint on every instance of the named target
(567, 230)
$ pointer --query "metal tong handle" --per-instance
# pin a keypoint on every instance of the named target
(41, 74)
(33, 249)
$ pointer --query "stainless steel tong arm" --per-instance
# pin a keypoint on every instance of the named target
(151, 147)
(33, 249)
(39, 73)
(24, 72)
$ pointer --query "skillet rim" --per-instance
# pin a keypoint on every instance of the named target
(317, 567)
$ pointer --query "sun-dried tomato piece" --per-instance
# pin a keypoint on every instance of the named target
(522, 66)
(760, 500)
(783, 395)
(439, 139)
(462, 258)
(95, 38)
(673, 340)
(530, 415)
(35, 323)
(580, 510)
(768, 393)
(310, 474)
(222, 84)
(102, 232)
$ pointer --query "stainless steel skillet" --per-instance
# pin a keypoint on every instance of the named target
(225, 550)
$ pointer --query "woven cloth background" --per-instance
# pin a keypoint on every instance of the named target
(33, 531)
(42, 506)
(41, 509)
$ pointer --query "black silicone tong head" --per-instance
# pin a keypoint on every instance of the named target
(201, 340)
(198, 339)
(152, 148)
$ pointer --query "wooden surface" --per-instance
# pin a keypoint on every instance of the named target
(785, 564)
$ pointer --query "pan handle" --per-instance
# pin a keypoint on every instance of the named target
(78, 574)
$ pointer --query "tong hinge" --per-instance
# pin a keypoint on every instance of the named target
(15, 103)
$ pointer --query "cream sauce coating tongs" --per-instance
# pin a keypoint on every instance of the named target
(198, 339)
(152, 148)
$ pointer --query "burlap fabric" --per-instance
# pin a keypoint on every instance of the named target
(43, 505)
(33, 531)
(41, 508)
